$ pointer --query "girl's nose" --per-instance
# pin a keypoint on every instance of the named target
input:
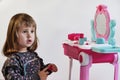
(29, 35)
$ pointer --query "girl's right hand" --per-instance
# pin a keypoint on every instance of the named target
(43, 74)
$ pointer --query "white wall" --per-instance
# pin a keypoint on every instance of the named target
(55, 19)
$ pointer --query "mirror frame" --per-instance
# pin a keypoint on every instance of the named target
(102, 9)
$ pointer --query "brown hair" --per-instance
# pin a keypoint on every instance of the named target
(16, 21)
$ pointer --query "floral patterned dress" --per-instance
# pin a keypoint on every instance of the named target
(22, 66)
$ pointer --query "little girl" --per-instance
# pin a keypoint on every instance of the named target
(23, 63)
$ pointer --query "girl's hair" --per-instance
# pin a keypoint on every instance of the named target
(16, 21)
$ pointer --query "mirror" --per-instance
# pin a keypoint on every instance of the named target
(101, 22)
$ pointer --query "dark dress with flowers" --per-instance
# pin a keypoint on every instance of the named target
(22, 66)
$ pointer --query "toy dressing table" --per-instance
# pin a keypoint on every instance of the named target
(101, 49)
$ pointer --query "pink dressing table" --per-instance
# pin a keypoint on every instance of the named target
(101, 49)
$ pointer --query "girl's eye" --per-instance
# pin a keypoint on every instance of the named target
(24, 31)
(32, 31)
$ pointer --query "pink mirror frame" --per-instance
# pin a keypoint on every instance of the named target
(102, 9)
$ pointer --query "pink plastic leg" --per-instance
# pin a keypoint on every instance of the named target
(116, 66)
(84, 72)
(84, 69)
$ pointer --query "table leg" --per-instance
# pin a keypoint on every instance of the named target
(86, 62)
(70, 68)
(116, 66)
(84, 72)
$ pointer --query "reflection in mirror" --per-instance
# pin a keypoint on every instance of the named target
(101, 24)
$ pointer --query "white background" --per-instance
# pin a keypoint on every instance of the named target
(55, 20)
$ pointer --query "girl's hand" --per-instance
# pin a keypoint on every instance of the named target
(43, 74)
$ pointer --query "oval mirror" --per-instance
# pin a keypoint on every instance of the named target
(101, 22)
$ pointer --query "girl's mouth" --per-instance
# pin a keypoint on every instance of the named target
(29, 41)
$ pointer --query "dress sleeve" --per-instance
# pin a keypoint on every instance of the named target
(12, 70)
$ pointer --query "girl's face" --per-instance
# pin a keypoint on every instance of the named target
(25, 37)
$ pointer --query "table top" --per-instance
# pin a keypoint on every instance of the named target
(72, 49)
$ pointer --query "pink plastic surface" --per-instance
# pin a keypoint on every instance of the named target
(73, 51)
(75, 36)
